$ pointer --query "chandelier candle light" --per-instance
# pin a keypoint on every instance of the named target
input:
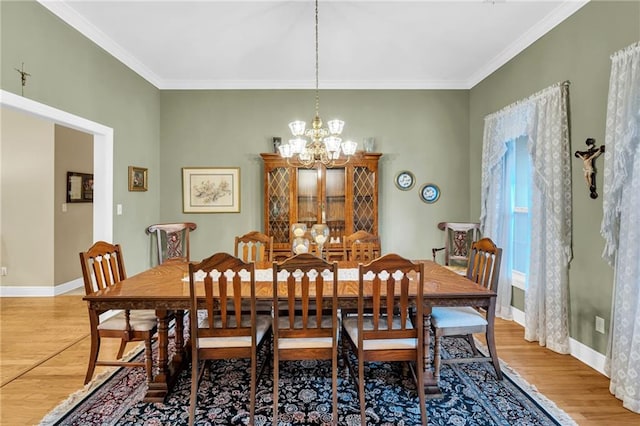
(324, 144)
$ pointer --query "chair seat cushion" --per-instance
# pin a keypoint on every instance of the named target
(263, 323)
(140, 320)
(305, 342)
(350, 325)
(457, 317)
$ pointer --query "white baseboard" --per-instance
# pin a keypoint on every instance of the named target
(40, 291)
(580, 351)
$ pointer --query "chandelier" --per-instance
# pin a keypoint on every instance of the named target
(324, 145)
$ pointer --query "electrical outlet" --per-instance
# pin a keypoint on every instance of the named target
(3, 271)
(599, 324)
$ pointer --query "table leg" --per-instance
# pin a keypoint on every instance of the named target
(159, 387)
(431, 388)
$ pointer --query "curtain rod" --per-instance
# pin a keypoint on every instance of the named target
(565, 83)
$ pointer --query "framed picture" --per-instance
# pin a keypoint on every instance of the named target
(405, 180)
(210, 190)
(79, 187)
(429, 193)
(137, 178)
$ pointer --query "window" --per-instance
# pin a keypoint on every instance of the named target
(520, 178)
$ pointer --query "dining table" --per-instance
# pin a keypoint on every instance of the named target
(165, 289)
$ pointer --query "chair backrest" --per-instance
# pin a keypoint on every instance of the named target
(305, 283)
(458, 239)
(222, 290)
(388, 280)
(484, 263)
(102, 266)
(364, 251)
(360, 237)
(254, 246)
(172, 240)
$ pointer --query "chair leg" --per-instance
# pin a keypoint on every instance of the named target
(334, 386)
(93, 356)
(123, 345)
(493, 353)
(194, 390)
(275, 389)
(472, 343)
(436, 357)
(363, 417)
(252, 389)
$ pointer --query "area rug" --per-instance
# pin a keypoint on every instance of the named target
(471, 396)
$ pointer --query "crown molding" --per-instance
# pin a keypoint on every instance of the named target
(559, 14)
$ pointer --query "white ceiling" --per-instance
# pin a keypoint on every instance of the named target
(269, 44)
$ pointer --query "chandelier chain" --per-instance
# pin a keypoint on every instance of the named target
(317, 66)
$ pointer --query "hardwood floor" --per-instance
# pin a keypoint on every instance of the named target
(40, 369)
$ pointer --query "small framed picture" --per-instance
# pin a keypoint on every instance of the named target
(79, 187)
(137, 178)
(211, 190)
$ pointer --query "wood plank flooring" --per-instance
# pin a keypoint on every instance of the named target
(40, 369)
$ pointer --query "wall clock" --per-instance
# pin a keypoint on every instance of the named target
(429, 193)
(405, 180)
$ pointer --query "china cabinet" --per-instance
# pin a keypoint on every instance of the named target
(344, 197)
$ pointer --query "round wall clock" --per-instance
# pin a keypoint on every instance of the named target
(405, 180)
(429, 193)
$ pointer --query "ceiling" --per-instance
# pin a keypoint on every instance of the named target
(269, 44)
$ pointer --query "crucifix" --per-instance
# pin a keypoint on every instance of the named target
(589, 168)
(23, 75)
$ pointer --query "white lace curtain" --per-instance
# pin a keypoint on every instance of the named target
(543, 119)
(621, 223)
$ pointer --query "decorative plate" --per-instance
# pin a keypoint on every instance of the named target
(429, 193)
(405, 180)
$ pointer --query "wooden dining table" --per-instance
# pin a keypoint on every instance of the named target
(165, 289)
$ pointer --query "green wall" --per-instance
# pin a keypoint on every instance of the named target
(72, 74)
(578, 50)
(422, 131)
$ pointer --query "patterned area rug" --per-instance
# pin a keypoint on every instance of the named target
(472, 396)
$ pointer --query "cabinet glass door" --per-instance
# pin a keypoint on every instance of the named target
(363, 199)
(308, 193)
(279, 181)
(334, 206)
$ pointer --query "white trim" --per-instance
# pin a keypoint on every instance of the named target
(40, 291)
(518, 280)
(77, 21)
(562, 12)
(102, 170)
(580, 351)
(102, 156)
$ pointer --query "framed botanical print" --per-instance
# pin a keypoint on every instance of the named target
(211, 190)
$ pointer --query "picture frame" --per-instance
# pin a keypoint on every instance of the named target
(79, 187)
(211, 189)
(405, 180)
(137, 178)
(429, 193)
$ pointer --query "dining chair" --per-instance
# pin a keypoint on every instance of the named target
(172, 240)
(103, 267)
(254, 246)
(387, 331)
(360, 237)
(222, 334)
(306, 325)
(464, 321)
(457, 244)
